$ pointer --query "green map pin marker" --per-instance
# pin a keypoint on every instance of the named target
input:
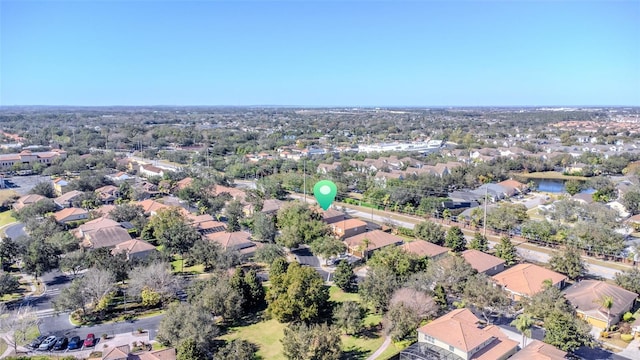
(325, 192)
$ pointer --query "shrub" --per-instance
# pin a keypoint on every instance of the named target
(626, 337)
(628, 317)
(604, 334)
(625, 328)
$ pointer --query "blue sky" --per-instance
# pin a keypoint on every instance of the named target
(342, 53)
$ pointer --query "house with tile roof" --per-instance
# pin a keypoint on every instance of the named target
(526, 280)
(108, 194)
(348, 227)
(123, 352)
(68, 215)
(538, 350)
(150, 171)
(237, 240)
(184, 183)
(363, 245)
(27, 200)
(66, 200)
(150, 207)
(119, 177)
(460, 335)
(236, 194)
(586, 297)
(206, 224)
(101, 232)
(426, 249)
(134, 249)
(482, 262)
(331, 216)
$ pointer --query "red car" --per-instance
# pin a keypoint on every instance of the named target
(90, 340)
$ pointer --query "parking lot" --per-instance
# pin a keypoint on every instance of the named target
(23, 184)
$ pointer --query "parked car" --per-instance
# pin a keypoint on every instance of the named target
(37, 341)
(48, 343)
(90, 340)
(61, 343)
(74, 343)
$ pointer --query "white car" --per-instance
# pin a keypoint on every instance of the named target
(48, 343)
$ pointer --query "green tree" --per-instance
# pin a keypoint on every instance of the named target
(573, 186)
(629, 279)
(268, 253)
(507, 216)
(300, 294)
(328, 246)
(189, 350)
(566, 331)
(237, 349)
(8, 284)
(407, 309)
(523, 323)
(377, 288)
(543, 303)
(349, 316)
(506, 251)
(568, 262)
(631, 201)
(256, 299)
(172, 230)
(430, 231)
(219, 297)
(40, 257)
(300, 225)
(479, 242)
(44, 188)
(311, 342)
(264, 227)
(401, 263)
(440, 296)
(455, 239)
(607, 303)
(235, 214)
(9, 251)
(187, 321)
(485, 296)
(74, 262)
(344, 277)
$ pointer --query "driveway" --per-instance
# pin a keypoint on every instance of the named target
(15, 231)
(306, 257)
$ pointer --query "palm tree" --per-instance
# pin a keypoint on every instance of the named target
(607, 303)
(523, 323)
(365, 246)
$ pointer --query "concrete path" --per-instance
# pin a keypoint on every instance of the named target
(632, 351)
(381, 349)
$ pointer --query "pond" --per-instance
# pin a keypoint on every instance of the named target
(554, 186)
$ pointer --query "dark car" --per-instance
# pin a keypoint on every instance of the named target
(37, 341)
(61, 343)
(75, 343)
(90, 340)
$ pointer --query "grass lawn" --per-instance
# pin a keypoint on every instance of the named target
(3, 346)
(265, 334)
(177, 267)
(554, 175)
(6, 218)
(337, 295)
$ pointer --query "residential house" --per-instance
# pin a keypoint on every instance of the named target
(331, 216)
(184, 183)
(59, 186)
(206, 224)
(66, 200)
(583, 198)
(634, 222)
(236, 194)
(27, 200)
(150, 207)
(586, 296)
(103, 210)
(124, 353)
(119, 177)
(68, 215)
(459, 335)
(526, 280)
(493, 192)
(349, 227)
(482, 262)
(363, 245)
(150, 171)
(101, 232)
(513, 187)
(135, 249)
(237, 240)
(269, 206)
(327, 168)
(538, 350)
(425, 249)
(108, 194)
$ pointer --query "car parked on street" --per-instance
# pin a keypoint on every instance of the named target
(75, 343)
(48, 343)
(90, 340)
(61, 343)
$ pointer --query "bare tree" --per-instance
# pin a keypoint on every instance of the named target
(156, 277)
(18, 322)
(407, 308)
(98, 283)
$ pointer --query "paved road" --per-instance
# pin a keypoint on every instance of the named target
(306, 257)
(15, 231)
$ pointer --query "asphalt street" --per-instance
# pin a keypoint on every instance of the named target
(59, 325)
(15, 231)
(306, 257)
